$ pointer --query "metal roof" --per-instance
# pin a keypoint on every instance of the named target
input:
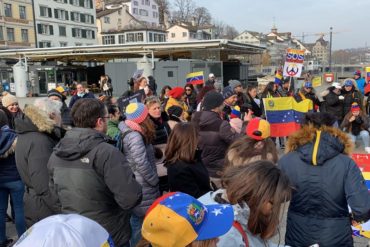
(108, 52)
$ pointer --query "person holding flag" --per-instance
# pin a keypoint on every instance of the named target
(308, 92)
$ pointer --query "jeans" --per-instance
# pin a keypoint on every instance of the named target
(364, 136)
(16, 190)
(136, 222)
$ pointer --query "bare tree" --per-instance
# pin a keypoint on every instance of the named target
(201, 16)
(224, 31)
(163, 9)
(219, 28)
(183, 10)
(230, 32)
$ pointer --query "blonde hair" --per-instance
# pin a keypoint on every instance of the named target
(49, 106)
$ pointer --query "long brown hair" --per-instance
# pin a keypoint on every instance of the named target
(182, 143)
(256, 184)
(148, 128)
(245, 150)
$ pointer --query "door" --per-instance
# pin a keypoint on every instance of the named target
(43, 82)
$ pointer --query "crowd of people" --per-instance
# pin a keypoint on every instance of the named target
(194, 166)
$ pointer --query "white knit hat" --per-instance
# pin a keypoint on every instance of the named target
(8, 99)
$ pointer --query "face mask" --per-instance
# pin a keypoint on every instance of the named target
(80, 94)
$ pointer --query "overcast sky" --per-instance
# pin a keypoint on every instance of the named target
(347, 17)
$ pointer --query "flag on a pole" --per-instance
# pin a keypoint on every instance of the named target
(195, 78)
(285, 115)
(279, 77)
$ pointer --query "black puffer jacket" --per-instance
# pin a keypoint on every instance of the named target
(37, 137)
(215, 136)
(334, 105)
(91, 178)
(326, 181)
(351, 97)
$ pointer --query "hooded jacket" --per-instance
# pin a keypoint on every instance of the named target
(326, 181)
(333, 104)
(233, 237)
(91, 178)
(8, 168)
(215, 136)
(140, 157)
(349, 98)
(37, 137)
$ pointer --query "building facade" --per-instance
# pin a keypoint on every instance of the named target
(61, 23)
(183, 33)
(16, 24)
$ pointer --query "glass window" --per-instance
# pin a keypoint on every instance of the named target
(130, 37)
(22, 12)
(173, 35)
(106, 19)
(150, 37)
(140, 37)
(154, 6)
(1, 33)
(63, 44)
(121, 39)
(62, 31)
(134, 10)
(108, 40)
(44, 44)
(136, 3)
(184, 34)
(8, 10)
(24, 33)
(45, 11)
(147, 2)
(143, 12)
(10, 34)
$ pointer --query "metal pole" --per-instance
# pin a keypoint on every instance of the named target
(331, 41)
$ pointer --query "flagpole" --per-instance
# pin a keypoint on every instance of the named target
(290, 83)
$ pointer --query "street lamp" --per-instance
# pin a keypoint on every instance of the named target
(331, 41)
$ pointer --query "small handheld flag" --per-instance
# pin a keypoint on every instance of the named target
(195, 78)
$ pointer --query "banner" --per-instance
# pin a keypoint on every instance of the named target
(123, 102)
(363, 162)
(195, 78)
(293, 63)
(367, 77)
(285, 114)
(317, 81)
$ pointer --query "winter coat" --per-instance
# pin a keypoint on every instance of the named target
(171, 101)
(162, 129)
(302, 95)
(66, 115)
(91, 178)
(243, 102)
(349, 98)
(215, 136)
(189, 178)
(37, 137)
(360, 123)
(8, 168)
(76, 97)
(361, 85)
(140, 157)
(326, 181)
(233, 238)
(252, 105)
(334, 105)
(113, 130)
(191, 101)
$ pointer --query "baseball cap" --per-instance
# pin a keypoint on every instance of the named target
(65, 230)
(211, 75)
(258, 129)
(336, 85)
(177, 219)
(357, 72)
(348, 83)
(308, 84)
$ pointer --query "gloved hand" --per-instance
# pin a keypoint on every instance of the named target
(341, 97)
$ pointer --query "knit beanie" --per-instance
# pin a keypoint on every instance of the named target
(54, 92)
(228, 92)
(175, 111)
(235, 112)
(234, 83)
(258, 129)
(136, 112)
(212, 100)
(176, 92)
(8, 99)
(355, 107)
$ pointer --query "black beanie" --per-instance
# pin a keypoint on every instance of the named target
(212, 100)
(175, 111)
(54, 92)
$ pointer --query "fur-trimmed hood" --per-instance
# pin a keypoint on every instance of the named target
(316, 151)
(34, 120)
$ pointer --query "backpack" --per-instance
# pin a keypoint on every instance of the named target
(119, 139)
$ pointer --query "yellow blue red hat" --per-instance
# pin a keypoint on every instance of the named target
(235, 112)
(136, 112)
(258, 129)
(177, 219)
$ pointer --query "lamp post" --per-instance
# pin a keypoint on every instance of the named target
(331, 41)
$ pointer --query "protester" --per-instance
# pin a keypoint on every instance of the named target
(230, 100)
(138, 133)
(38, 132)
(66, 230)
(175, 116)
(270, 91)
(64, 110)
(242, 101)
(356, 124)
(285, 89)
(104, 87)
(10, 181)
(164, 95)
(326, 182)
(90, 176)
(351, 95)
(177, 99)
(202, 93)
(152, 85)
(257, 192)
(177, 220)
(130, 90)
(308, 92)
(81, 94)
(114, 119)
(334, 101)
(10, 102)
(359, 81)
(162, 132)
(190, 98)
(142, 84)
(256, 145)
(215, 134)
(253, 103)
(186, 172)
(211, 80)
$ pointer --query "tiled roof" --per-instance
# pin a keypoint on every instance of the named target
(105, 12)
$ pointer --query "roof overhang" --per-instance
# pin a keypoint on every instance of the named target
(104, 53)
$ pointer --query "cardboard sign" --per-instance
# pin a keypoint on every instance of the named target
(316, 81)
(293, 63)
(136, 98)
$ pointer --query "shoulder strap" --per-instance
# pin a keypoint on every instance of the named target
(238, 227)
(122, 136)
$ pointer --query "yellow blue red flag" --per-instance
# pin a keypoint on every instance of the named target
(285, 114)
(195, 78)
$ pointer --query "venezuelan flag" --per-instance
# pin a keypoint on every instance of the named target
(285, 115)
(195, 78)
(278, 77)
